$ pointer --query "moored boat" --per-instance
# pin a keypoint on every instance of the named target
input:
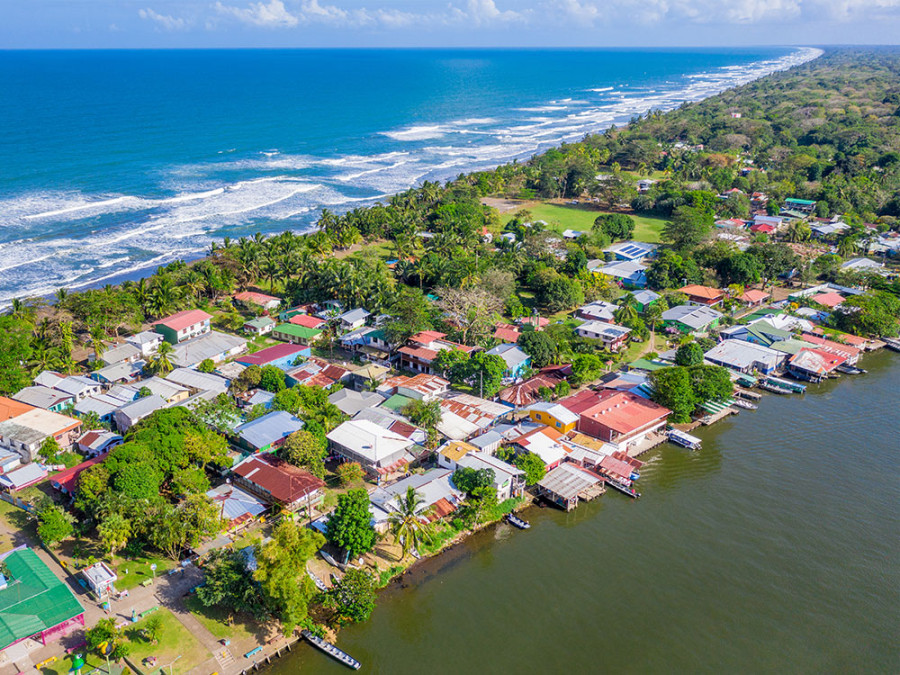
(331, 650)
(684, 440)
(746, 405)
(317, 581)
(849, 370)
(515, 521)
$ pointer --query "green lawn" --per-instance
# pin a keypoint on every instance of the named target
(216, 621)
(175, 641)
(138, 570)
(92, 663)
(578, 217)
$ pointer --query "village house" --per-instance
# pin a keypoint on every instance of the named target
(132, 413)
(34, 602)
(380, 452)
(278, 483)
(754, 298)
(421, 387)
(702, 295)
(526, 392)
(197, 382)
(848, 352)
(261, 325)
(509, 481)
(612, 336)
(306, 320)
(553, 415)
(371, 343)
(22, 477)
(745, 357)
(517, 361)
(439, 496)
(45, 398)
(830, 299)
(317, 372)
(146, 341)
(691, 318)
(631, 251)
(644, 298)
(268, 432)
(294, 334)
(26, 432)
(252, 299)
(352, 319)
(620, 418)
(211, 345)
(597, 311)
(422, 348)
(236, 507)
(629, 273)
(543, 442)
(813, 364)
(119, 373)
(120, 353)
(506, 332)
(368, 376)
(350, 401)
(183, 326)
(98, 442)
(463, 416)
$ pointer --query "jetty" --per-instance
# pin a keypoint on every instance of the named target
(332, 651)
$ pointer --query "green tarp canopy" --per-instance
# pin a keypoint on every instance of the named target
(715, 407)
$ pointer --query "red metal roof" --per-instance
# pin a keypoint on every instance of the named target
(765, 228)
(307, 321)
(754, 295)
(427, 336)
(699, 291)
(620, 411)
(10, 408)
(507, 333)
(266, 356)
(68, 479)
(184, 319)
(285, 482)
(830, 299)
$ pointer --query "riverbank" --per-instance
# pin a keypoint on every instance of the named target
(748, 551)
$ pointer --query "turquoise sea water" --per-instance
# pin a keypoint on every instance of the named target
(113, 162)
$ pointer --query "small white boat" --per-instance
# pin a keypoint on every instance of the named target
(317, 581)
(683, 439)
(746, 405)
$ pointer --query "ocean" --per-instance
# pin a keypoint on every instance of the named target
(115, 162)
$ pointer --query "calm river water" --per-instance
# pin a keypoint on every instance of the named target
(776, 547)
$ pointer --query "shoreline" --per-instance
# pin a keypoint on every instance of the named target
(729, 78)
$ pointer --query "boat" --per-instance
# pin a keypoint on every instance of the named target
(334, 579)
(515, 521)
(624, 489)
(415, 554)
(317, 581)
(684, 440)
(775, 389)
(746, 405)
(792, 387)
(849, 370)
(332, 651)
(330, 560)
(634, 476)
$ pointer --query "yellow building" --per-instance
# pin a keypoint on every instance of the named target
(553, 415)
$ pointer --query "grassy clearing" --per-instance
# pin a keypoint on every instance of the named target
(579, 217)
(134, 571)
(92, 663)
(216, 621)
(175, 642)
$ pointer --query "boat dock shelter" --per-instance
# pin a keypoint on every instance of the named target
(568, 483)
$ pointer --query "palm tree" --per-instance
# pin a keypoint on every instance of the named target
(97, 335)
(163, 361)
(798, 231)
(406, 522)
(847, 247)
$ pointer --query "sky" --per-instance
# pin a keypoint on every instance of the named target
(64, 24)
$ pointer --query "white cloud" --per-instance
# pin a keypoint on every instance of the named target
(164, 21)
(271, 15)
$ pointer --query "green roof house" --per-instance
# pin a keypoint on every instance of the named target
(298, 335)
(34, 603)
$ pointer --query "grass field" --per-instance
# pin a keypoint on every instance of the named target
(138, 570)
(175, 642)
(216, 621)
(576, 217)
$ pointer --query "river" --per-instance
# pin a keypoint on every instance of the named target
(775, 547)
